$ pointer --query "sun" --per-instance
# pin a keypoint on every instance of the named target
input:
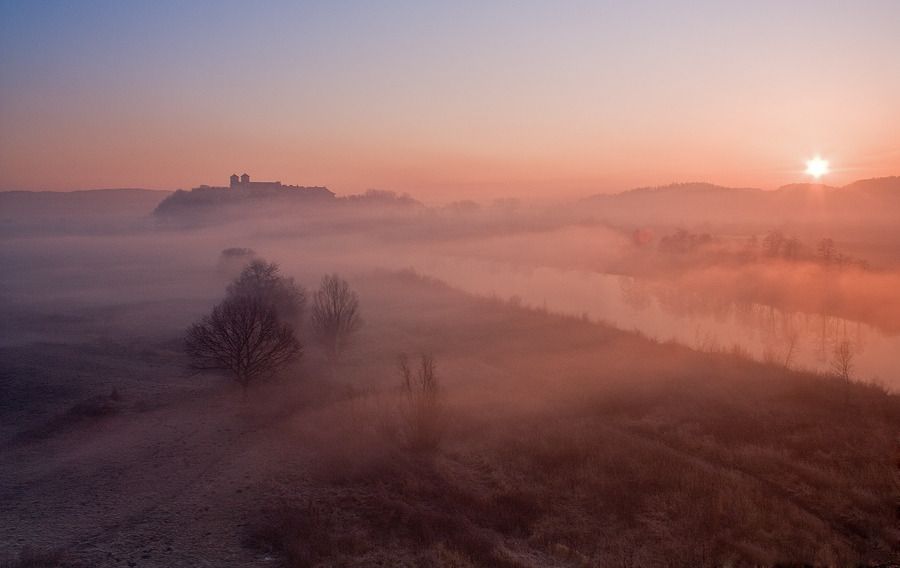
(817, 167)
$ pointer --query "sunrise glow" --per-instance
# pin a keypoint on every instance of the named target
(615, 95)
(406, 283)
(817, 167)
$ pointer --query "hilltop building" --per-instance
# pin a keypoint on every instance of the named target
(243, 192)
(244, 182)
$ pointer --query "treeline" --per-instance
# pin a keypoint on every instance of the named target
(682, 241)
(773, 245)
(776, 245)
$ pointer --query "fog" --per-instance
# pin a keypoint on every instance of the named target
(592, 369)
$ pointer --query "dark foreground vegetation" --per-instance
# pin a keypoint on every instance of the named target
(557, 459)
(373, 417)
(519, 438)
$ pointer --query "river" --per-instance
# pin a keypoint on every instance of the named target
(666, 312)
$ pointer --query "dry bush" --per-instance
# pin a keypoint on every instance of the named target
(425, 502)
(422, 412)
(304, 535)
(406, 504)
(842, 360)
(361, 440)
(792, 337)
(682, 511)
(420, 504)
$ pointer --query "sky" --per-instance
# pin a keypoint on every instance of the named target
(447, 100)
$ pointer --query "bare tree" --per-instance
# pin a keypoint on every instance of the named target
(842, 360)
(243, 336)
(335, 314)
(263, 280)
(422, 413)
(791, 337)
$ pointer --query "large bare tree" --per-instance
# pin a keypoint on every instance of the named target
(243, 336)
(335, 314)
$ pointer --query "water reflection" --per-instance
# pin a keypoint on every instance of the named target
(702, 320)
(782, 336)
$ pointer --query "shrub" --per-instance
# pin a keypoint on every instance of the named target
(303, 534)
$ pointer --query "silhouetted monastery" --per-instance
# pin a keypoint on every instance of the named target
(243, 183)
(240, 191)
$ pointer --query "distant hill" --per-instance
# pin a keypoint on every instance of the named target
(873, 202)
(885, 185)
(691, 188)
(97, 210)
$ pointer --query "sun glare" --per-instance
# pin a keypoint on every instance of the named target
(817, 167)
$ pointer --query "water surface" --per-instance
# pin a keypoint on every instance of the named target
(666, 312)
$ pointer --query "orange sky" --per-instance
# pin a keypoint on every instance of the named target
(455, 102)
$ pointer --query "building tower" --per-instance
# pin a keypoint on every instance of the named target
(245, 179)
(234, 180)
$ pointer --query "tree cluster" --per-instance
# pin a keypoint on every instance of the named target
(251, 333)
(776, 245)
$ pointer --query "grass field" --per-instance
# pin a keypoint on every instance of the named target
(564, 443)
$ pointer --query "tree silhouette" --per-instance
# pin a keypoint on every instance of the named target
(263, 280)
(335, 314)
(243, 336)
(842, 360)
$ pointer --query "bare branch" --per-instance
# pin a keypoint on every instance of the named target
(243, 336)
(335, 314)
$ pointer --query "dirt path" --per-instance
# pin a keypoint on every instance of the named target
(171, 487)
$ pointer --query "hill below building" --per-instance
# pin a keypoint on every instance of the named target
(201, 202)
